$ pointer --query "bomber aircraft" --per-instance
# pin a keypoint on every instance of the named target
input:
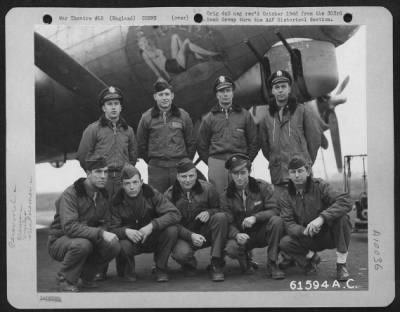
(73, 63)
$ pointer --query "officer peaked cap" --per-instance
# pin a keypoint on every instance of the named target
(110, 93)
(237, 162)
(278, 77)
(223, 82)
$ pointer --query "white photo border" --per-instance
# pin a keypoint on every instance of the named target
(21, 253)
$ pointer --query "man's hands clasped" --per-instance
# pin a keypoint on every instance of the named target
(314, 227)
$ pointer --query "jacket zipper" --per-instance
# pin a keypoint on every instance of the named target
(164, 115)
(137, 215)
(301, 197)
(273, 130)
(244, 200)
(94, 203)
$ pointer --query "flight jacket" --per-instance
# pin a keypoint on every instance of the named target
(203, 197)
(166, 137)
(150, 206)
(260, 203)
(78, 215)
(118, 145)
(223, 134)
(298, 133)
(318, 199)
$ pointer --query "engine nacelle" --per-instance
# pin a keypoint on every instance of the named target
(318, 64)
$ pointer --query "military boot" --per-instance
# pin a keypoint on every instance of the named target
(342, 274)
(274, 271)
(312, 264)
(217, 270)
(245, 264)
(65, 285)
(161, 275)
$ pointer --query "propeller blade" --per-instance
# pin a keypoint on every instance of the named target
(343, 85)
(324, 141)
(334, 128)
(336, 99)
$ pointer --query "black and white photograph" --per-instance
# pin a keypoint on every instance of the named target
(174, 157)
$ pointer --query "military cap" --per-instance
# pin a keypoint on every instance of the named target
(297, 162)
(160, 85)
(129, 171)
(223, 82)
(95, 162)
(185, 165)
(278, 77)
(237, 162)
(110, 93)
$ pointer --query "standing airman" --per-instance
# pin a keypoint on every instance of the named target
(110, 137)
(165, 137)
(225, 130)
(289, 128)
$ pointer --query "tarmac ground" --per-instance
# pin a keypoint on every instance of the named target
(323, 280)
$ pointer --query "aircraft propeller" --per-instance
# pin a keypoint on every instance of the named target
(326, 106)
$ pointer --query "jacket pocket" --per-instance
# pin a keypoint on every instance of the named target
(216, 136)
(157, 135)
(239, 139)
(298, 142)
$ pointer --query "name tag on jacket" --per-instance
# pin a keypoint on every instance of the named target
(176, 125)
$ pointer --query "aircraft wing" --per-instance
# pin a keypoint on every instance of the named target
(64, 69)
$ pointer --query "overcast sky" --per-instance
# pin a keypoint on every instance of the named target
(351, 59)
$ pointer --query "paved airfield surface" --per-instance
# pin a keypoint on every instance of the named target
(234, 280)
